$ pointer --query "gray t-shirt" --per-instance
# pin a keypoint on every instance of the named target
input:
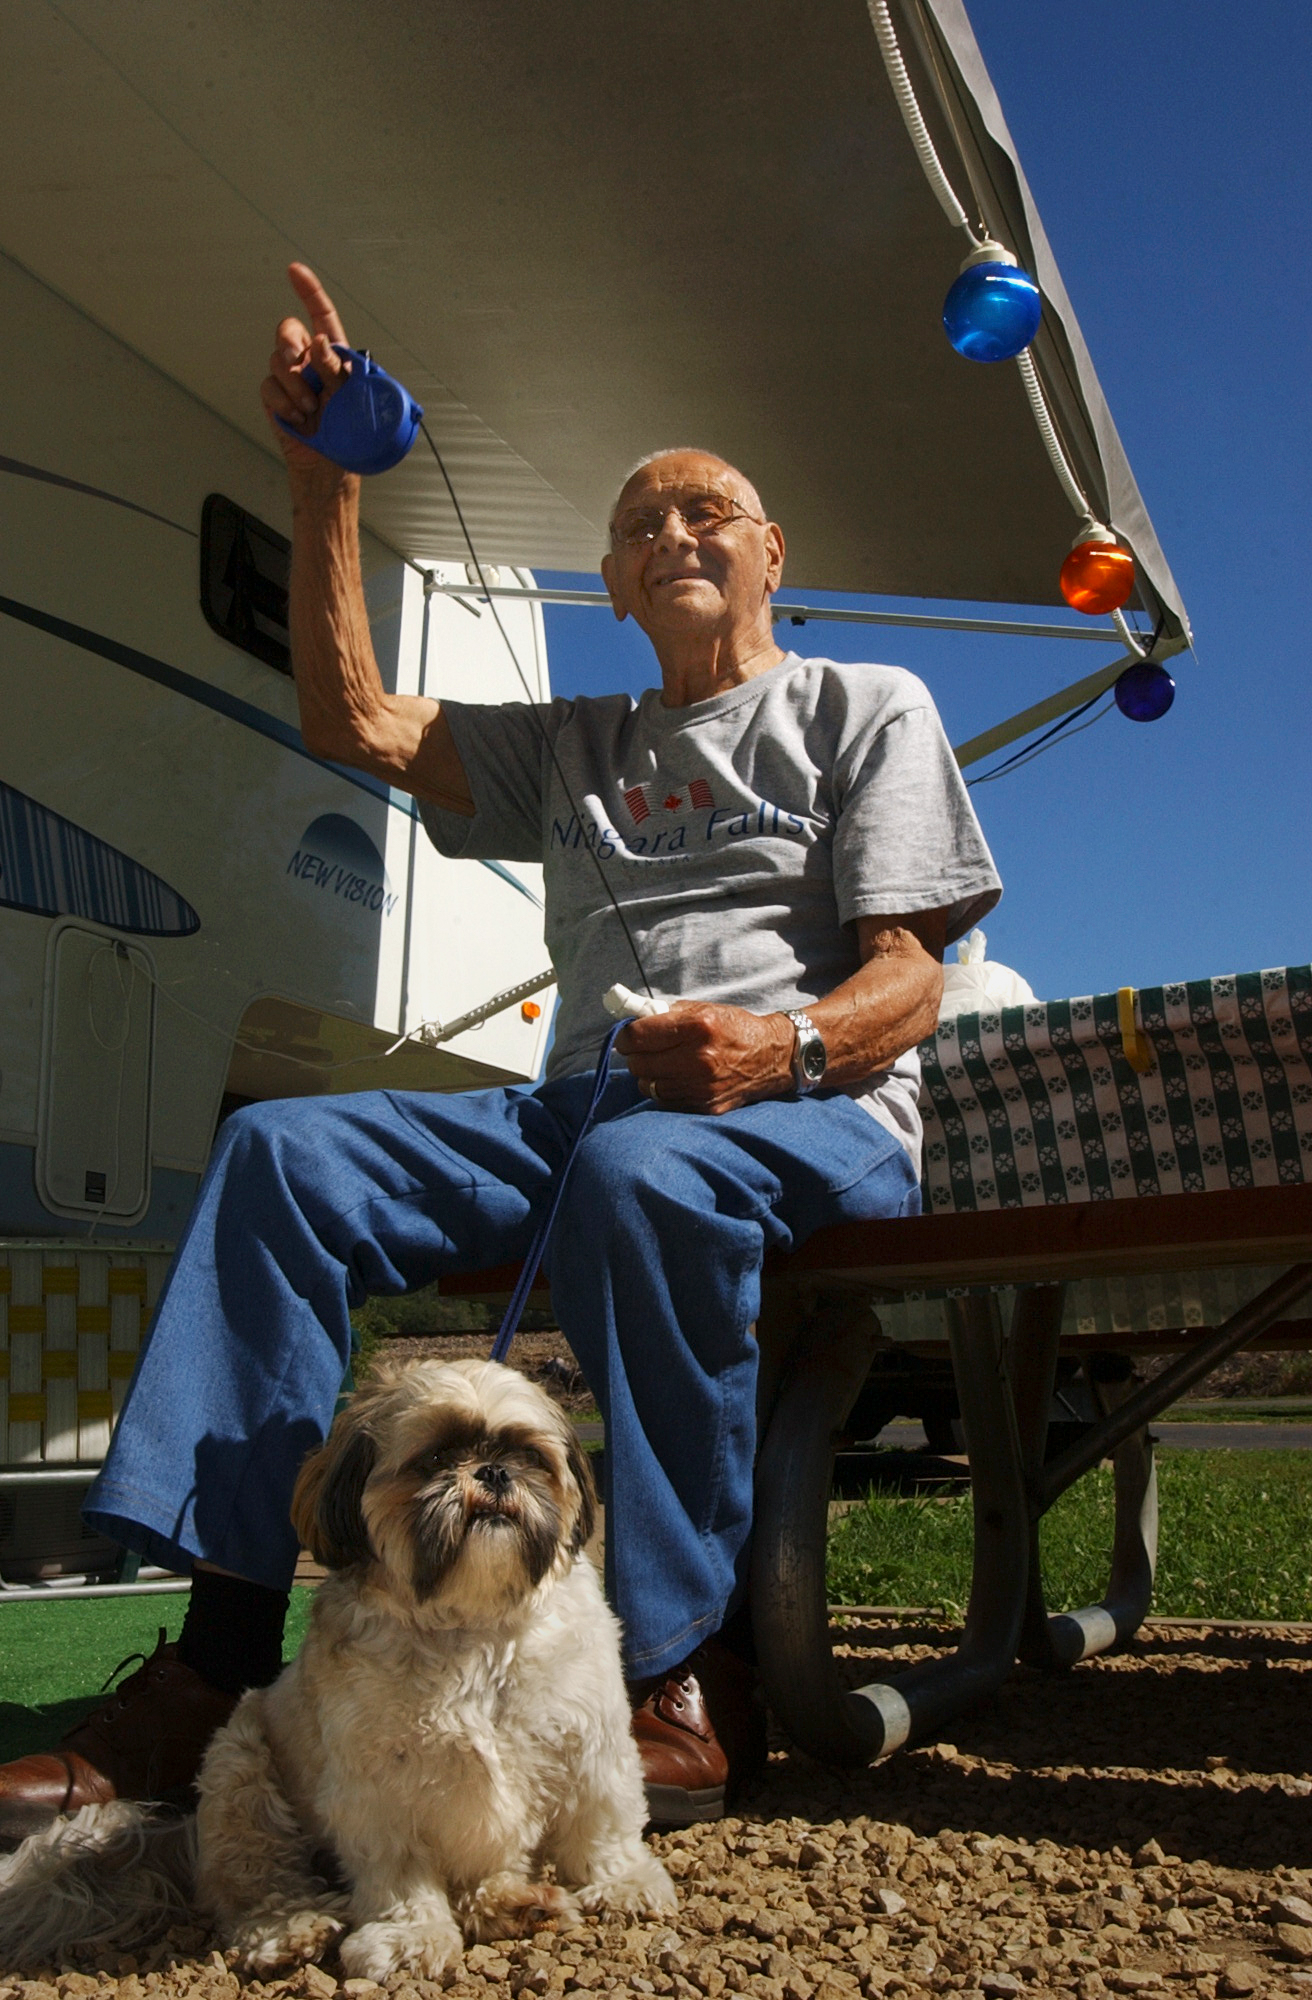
(741, 835)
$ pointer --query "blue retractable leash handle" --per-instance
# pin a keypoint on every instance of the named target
(369, 424)
(510, 1323)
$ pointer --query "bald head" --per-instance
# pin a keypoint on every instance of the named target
(682, 466)
(694, 560)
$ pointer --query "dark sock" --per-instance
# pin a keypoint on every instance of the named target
(736, 1633)
(232, 1633)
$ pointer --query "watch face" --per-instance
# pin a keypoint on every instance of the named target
(814, 1059)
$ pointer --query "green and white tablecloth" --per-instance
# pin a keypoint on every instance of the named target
(1038, 1104)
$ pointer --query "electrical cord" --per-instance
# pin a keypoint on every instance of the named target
(118, 953)
(1052, 444)
(913, 118)
(1070, 725)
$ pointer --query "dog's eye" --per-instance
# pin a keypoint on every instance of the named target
(533, 1456)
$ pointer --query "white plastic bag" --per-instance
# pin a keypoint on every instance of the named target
(977, 986)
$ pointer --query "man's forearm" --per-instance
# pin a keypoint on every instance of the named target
(883, 1010)
(338, 684)
(347, 714)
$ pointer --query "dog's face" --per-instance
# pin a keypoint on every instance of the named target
(457, 1486)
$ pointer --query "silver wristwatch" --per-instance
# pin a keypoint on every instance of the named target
(810, 1059)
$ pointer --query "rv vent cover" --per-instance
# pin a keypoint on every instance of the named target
(244, 572)
(93, 1134)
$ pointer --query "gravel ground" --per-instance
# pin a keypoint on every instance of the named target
(1171, 1855)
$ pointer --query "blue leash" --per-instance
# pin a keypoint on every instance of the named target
(519, 1297)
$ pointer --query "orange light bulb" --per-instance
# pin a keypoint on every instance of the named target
(1097, 577)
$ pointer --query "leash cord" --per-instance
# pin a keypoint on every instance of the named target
(541, 1236)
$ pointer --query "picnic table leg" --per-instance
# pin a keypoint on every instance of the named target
(789, 1607)
(829, 1361)
(1060, 1640)
(1122, 1434)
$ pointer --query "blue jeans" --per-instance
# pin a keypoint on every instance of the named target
(312, 1204)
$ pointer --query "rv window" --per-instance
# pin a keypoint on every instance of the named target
(244, 569)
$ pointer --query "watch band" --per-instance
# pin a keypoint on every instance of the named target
(810, 1057)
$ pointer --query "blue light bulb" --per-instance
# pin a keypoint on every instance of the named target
(993, 309)
(1144, 691)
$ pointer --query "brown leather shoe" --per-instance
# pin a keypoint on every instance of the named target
(700, 1729)
(37, 1788)
(145, 1741)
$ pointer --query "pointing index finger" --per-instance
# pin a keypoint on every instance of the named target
(322, 311)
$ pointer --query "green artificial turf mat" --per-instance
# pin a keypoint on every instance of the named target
(54, 1658)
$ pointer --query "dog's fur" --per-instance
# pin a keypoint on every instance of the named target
(455, 1723)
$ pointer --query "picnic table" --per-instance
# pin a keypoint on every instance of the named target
(1124, 1171)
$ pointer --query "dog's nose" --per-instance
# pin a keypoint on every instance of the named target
(494, 1477)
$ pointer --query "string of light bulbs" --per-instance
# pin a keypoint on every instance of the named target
(992, 312)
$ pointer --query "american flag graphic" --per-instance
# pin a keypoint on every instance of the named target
(641, 800)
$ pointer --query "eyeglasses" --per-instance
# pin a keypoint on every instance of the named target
(703, 514)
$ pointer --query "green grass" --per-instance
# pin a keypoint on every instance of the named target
(1236, 1542)
(55, 1657)
(1236, 1410)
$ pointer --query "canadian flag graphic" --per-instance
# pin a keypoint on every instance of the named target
(643, 800)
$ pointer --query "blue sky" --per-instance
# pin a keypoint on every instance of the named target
(1166, 145)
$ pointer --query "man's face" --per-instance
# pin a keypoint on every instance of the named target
(689, 550)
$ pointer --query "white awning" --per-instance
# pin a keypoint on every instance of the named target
(579, 233)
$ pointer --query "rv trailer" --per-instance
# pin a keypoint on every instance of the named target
(195, 913)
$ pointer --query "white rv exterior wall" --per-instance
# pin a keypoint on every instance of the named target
(215, 809)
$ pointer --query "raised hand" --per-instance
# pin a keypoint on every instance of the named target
(284, 391)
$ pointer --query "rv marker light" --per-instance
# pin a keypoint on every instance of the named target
(369, 423)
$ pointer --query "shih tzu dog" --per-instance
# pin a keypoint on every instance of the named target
(454, 1726)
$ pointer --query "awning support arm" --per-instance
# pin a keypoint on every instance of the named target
(1055, 705)
(468, 596)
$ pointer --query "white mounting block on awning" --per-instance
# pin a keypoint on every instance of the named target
(578, 233)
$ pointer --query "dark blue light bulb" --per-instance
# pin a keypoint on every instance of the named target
(993, 310)
(1144, 691)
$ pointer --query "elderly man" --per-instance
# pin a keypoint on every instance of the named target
(786, 847)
